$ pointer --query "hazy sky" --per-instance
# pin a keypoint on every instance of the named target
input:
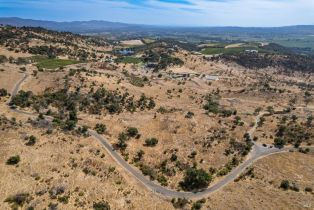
(167, 12)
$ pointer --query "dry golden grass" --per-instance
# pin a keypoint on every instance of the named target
(50, 161)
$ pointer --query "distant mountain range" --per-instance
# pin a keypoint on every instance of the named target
(95, 26)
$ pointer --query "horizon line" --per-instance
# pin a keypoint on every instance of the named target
(138, 24)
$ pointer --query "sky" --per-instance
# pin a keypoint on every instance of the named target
(167, 12)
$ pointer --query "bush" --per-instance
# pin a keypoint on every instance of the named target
(294, 187)
(139, 155)
(18, 199)
(151, 142)
(21, 61)
(52, 206)
(83, 131)
(226, 113)
(31, 141)
(3, 59)
(193, 154)
(56, 190)
(132, 132)
(189, 115)
(13, 160)
(279, 142)
(195, 179)
(3, 92)
(22, 99)
(162, 180)
(100, 128)
(122, 137)
(198, 205)
(148, 171)
(101, 206)
(309, 120)
(285, 184)
(63, 199)
(180, 203)
(308, 189)
(174, 157)
(211, 105)
(122, 141)
(69, 125)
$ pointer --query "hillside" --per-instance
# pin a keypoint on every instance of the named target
(91, 123)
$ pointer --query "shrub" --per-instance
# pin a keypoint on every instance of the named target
(211, 105)
(101, 206)
(21, 61)
(3, 59)
(18, 199)
(162, 110)
(3, 92)
(151, 104)
(69, 125)
(148, 171)
(309, 120)
(83, 131)
(180, 203)
(122, 141)
(22, 99)
(193, 154)
(285, 184)
(162, 180)
(56, 190)
(137, 81)
(31, 141)
(122, 137)
(294, 187)
(139, 155)
(270, 109)
(174, 157)
(224, 171)
(151, 142)
(189, 115)
(226, 113)
(132, 132)
(63, 199)
(279, 142)
(308, 189)
(13, 160)
(100, 128)
(195, 179)
(197, 205)
(52, 206)
(294, 118)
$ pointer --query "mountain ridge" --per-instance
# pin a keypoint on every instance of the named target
(99, 26)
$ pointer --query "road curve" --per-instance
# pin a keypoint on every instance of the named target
(258, 151)
(17, 86)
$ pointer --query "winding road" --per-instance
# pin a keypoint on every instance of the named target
(258, 151)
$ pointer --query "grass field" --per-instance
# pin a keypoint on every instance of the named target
(220, 48)
(302, 42)
(129, 59)
(52, 63)
(148, 41)
(215, 50)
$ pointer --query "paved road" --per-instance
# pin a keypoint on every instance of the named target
(258, 151)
